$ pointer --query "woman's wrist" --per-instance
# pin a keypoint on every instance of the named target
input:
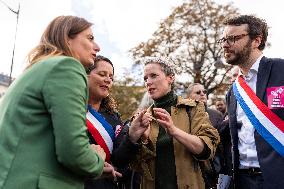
(172, 131)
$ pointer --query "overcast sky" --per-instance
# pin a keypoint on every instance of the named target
(118, 25)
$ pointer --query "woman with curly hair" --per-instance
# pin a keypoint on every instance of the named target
(103, 120)
(175, 133)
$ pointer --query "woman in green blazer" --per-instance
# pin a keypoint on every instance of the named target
(43, 141)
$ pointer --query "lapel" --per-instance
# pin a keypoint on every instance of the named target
(262, 77)
(232, 107)
(232, 103)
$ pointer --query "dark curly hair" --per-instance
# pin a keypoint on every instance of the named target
(256, 27)
(108, 103)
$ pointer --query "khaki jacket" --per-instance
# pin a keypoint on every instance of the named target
(188, 172)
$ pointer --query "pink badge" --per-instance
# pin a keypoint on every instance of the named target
(275, 97)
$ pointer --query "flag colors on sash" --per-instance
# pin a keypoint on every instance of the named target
(266, 122)
(101, 131)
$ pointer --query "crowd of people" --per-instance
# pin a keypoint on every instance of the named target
(60, 127)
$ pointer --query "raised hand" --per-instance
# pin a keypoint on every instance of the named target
(139, 125)
(165, 120)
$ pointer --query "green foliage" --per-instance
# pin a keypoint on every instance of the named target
(128, 98)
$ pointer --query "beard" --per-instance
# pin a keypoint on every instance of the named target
(241, 57)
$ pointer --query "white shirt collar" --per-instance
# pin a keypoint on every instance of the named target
(254, 67)
(256, 64)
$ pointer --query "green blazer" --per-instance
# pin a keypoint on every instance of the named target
(43, 141)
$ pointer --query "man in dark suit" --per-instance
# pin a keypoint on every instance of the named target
(257, 163)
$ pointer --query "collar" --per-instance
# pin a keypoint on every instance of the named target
(168, 100)
(256, 64)
(253, 70)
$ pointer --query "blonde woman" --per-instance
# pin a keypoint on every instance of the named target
(43, 139)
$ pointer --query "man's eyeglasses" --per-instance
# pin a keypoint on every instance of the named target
(203, 91)
(231, 39)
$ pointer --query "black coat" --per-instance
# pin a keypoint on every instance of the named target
(120, 158)
(270, 74)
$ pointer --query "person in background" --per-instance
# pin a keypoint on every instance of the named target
(255, 105)
(225, 144)
(197, 92)
(174, 133)
(104, 124)
(43, 139)
(220, 105)
(234, 74)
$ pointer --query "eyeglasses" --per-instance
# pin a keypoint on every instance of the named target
(231, 39)
(203, 91)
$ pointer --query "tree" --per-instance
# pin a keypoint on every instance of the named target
(128, 96)
(189, 37)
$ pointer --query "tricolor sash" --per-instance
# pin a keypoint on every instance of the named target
(266, 122)
(101, 131)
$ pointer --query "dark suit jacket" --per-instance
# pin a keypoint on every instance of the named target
(270, 74)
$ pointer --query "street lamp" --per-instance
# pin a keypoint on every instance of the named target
(17, 13)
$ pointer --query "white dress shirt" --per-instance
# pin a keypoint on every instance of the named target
(246, 144)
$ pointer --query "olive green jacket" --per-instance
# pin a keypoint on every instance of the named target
(188, 172)
(43, 141)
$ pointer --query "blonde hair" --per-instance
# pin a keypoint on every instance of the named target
(54, 40)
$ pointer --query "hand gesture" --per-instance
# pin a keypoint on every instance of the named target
(109, 171)
(139, 125)
(165, 120)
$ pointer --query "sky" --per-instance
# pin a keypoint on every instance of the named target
(118, 25)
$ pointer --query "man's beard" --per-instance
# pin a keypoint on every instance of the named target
(242, 57)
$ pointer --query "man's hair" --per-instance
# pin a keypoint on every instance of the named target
(189, 89)
(220, 99)
(256, 27)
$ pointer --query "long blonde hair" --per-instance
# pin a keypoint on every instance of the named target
(54, 40)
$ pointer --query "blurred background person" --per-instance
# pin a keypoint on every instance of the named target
(197, 92)
(220, 105)
(43, 139)
(178, 133)
(234, 74)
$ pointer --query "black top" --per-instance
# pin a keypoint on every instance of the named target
(129, 178)
(165, 172)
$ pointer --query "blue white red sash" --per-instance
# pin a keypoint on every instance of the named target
(266, 122)
(101, 131)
